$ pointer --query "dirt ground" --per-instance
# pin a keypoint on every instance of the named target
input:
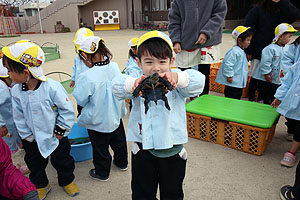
(214, 172)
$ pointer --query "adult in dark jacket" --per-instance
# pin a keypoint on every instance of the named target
(263, 19)
(195, 24)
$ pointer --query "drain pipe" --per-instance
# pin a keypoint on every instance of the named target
(132, 14)
(40, 20)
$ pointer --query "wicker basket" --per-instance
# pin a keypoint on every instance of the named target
(241, 137)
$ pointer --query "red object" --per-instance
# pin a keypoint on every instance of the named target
(13, 184)
(190, 50)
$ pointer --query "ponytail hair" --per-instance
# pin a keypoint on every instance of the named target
(131, 54)
(297, 41)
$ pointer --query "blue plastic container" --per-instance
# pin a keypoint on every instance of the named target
(80, 152)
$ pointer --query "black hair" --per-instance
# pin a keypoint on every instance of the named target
(102, 49)
(297, 41)
(245, 34)
(14, 66)
(131, 54)
(155, 47)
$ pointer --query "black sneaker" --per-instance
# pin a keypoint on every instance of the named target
(97, 177)
(285, 192)
(122, 168)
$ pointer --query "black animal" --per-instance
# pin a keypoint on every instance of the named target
(153, 88)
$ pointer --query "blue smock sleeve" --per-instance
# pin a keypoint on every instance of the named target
(66, 115)
(74, 70)
(5, 96)
(286, 83)
(83, 91)
(118, 87)
(195, 85)
(288, 58)
(266, 61)
(228, 65)
(19, 116)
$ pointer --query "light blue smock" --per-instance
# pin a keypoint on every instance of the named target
(36, 112)
(235, 65)
(270, 63)
(160, 128)
(6, 117)
(289, 93)
(291, 55)
(78, 68)
(132, 68)
(101, 110)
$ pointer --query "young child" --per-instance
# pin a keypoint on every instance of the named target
(13, 184)
(269, 68)
(233, 72)
(102, 112)
(291, 55)
(132, 68)
(288, 103)
(43, 114)
(158, 155)
(8, 128)
(79, 65)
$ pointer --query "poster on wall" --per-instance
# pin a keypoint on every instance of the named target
(106, 17)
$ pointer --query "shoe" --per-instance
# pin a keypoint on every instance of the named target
(123, 168)
(288, 160)
(97, 177)
(43, 192)
(289, 137)
(71, 189)
(285, 193)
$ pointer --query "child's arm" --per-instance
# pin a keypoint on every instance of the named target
(266, 62)
(190, 82)
(286, 83)
(228, 66)
(82, 91)
(288, 58)
(122, 86)
(4, 98)
(66, 116)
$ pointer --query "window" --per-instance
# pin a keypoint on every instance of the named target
(160, 5)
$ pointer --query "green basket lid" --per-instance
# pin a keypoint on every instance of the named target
(239, 111)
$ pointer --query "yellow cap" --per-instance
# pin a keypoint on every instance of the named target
(81, 35)
(28, 54)
(133, 42)
(155, 34)
(283, 28)
(238, 31)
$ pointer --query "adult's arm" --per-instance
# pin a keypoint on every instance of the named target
(252, 19)
(289, 12)
(217, 17)
(174, 26)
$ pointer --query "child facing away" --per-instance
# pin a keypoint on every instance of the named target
(102, 112)
(269, 69)
(132, 68)
(79, 65)
(288, 103)
(13, 184)
(8, 128)
(158, 155)
(43, 114)
(233, 72)
(291, 55)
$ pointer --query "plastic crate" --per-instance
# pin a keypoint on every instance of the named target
(241, 125)
(241, 137)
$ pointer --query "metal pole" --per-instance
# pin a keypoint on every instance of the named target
(132, 13)
(38, 7)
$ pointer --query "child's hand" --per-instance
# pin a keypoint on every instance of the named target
(3, 131)
(137, 82)
(72, 83)
(229, 79)
(275, 103)
(177, 47)
(58, 136)
(172, 77)
(268, 77)
(202, 39)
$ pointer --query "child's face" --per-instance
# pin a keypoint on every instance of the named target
(245, 44)
(285, 38)
(150, 64)
(16, 76)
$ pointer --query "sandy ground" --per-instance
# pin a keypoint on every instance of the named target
(214, 172)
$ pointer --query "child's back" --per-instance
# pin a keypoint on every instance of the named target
(291, 55)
